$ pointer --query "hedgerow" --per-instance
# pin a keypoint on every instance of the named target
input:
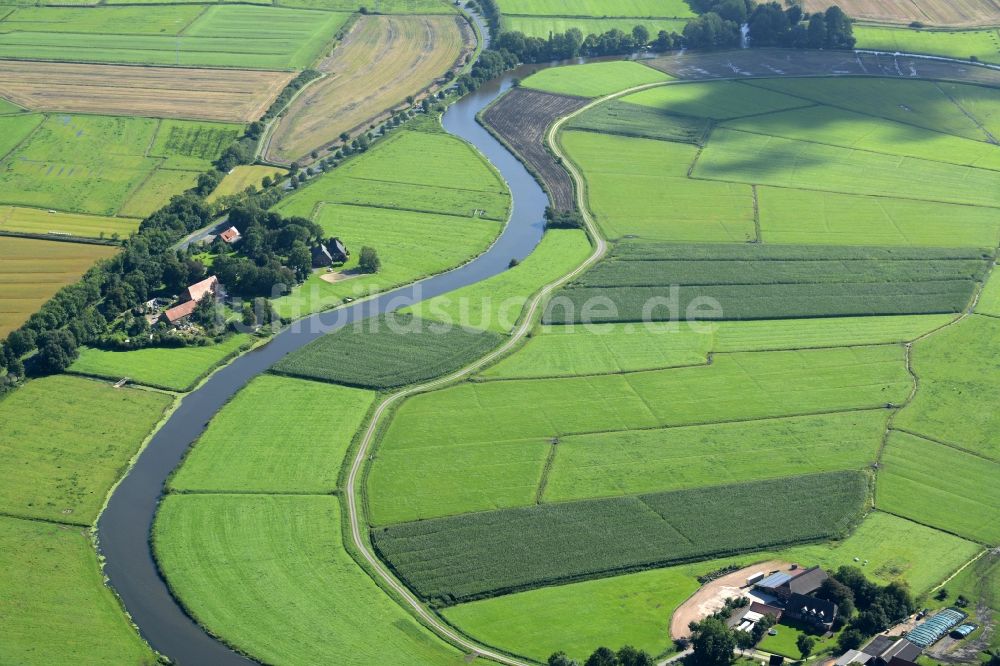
(449, 560)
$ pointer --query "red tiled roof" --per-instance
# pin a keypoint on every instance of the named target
(177, 313)
(229, 235)
(198, 291)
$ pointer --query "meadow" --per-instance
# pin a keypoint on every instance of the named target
(251, 567)
(376, 6)
(636, 608)
(15, 219)
(605, 464)
(99, 164)
(766, 160)
(640, 188)
(594, 80)
(644, 122)
(65, 441)
(980, 101)
(989, 299)
(32, 271)
(17, 128)
(597, 8)
(381, 61)
(58, 590)
(958, 385)
(501, 431)
(172, 369)
(477, 555)
(496, 304)
(387, 352)
(717, 100)
(241, 36)
(962, 44)
(940, 486)
(278, 435)
(830, 218)
(563, 351)
(242, 177)
(542, 26)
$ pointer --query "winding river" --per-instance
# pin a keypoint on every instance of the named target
(125, 526)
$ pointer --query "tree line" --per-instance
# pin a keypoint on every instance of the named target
(603, 656)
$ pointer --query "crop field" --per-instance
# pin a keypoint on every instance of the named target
(388, 351)
(251, 567)
(958, 383)
(605, 464)
(925, 104)
(597, 8)
(934, 12)
(381, 61)
(829, 218)
(827, 125)
(167, 368)
(753, 281)
(644, 122)
(563, 351)
(190, 145)
(940, 486)
(542, 26)
(235, 95)
(242, 177)
(635, 608)
(742, 157)
(32, 271)
(466, 557)
(278, 435)
(14, 219)
(521, 118)
(99, 164)
(496, 304)
(438, 441)
(240, 36)
(595, 79)
(962, 44)
(374, 6)
(640, 188)
(54, 587)
(65, 440)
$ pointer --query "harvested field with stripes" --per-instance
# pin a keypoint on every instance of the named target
(380, 62)
(235, 95)
(965, 13)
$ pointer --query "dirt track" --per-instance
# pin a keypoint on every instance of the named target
(381, 61)
(769, 63)
(233, 95)
(521, 118)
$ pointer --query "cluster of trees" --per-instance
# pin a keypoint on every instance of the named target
(489, 11)
(714, 643)
(866, 607)
(562, 219)
(602, 656)
(573, 43)
(770, 24)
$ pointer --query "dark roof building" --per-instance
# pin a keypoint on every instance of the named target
(811, 609)
(808, 581)
(321, 256)
(338, 250)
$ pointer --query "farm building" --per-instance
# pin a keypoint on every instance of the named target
(963, 631)
(755, 613)
(931, 631)
(190, 299)
(882, 651)
(784, 585)
(329, 253)
(815, 611)
(230, 235)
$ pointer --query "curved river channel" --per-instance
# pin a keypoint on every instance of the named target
(124, 528)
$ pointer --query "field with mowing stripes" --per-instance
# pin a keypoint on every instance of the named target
(543, 26)
(15, 219)
(242, 177)
(299, 435)
(933, 12)
(596, 80)
(962, 44)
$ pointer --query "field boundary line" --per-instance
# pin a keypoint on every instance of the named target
(550, 460)
(756, 213)
(27, 137)
(992, 139)
(358, 465)
(959, 570)
(47, 521)
(933, 527)
(941, 442)
(182, 32)
(320, 205)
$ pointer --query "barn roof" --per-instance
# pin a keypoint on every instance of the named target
(200, 290)
(178, 312)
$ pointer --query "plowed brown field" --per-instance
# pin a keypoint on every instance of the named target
(162, 92)
(381, 61)
(965, 13)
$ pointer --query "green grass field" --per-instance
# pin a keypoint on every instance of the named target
(483, 554)
(940, 486)
(719, 100)
(15, 219)
(597, 8)
(563, 351)
(17, 129)
(644, 122)
(278, 435)
(921, 103)
(806, 216)
(963, 44)
(606, 464)
(7, 107)
(483, 445)
(734, 156)
(189, 145)
(99, 164)
(496, 304)
(378, 6)
(542, 26)
(989, 299)
(636, 608)
(958, 386)
(220, 35)
(251, 567)
(388, 351)
(639, 187)
(242, 177)
(595, 79)
(59, 610)
(65, 441)
(173, 369)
